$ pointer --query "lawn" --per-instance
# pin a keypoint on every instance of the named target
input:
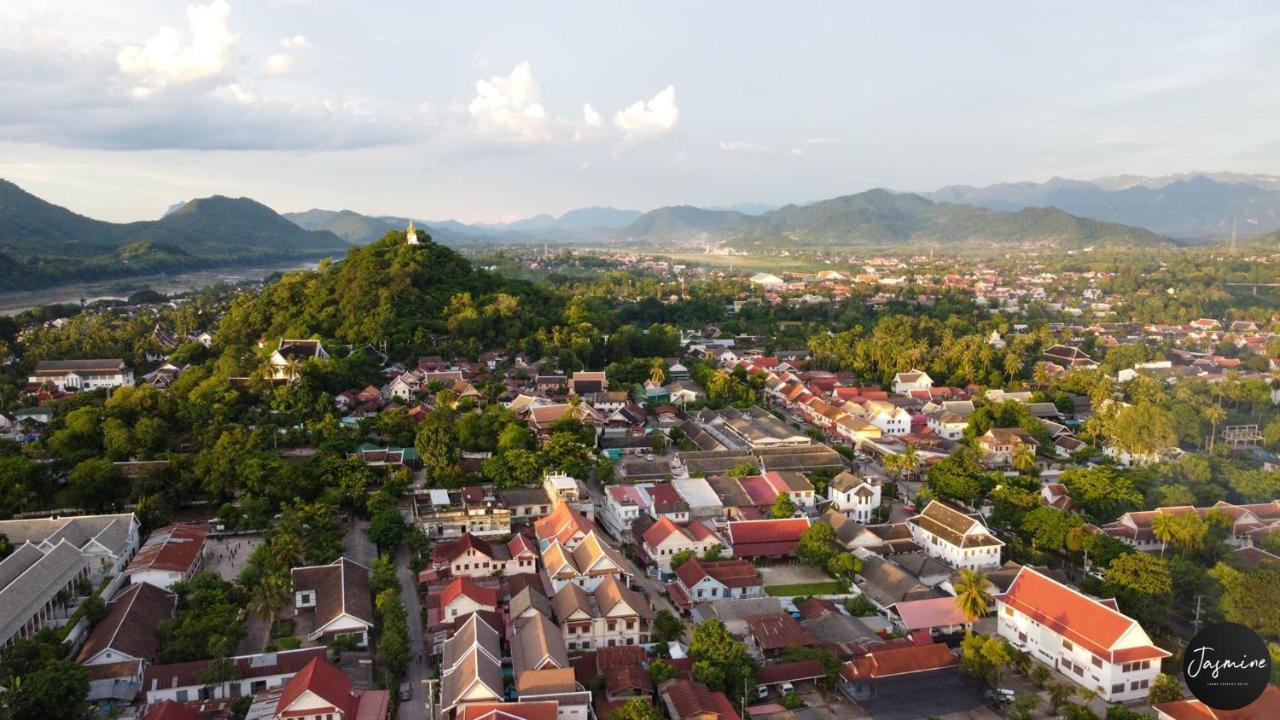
(828, 587)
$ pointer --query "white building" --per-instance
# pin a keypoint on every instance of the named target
(665, 539)
(904, 383)
(1089, 641)
(184, 682)
(75, 375)
(891, 419)
(856, 497)
(958, 539)
(623, 505)
(612, 615)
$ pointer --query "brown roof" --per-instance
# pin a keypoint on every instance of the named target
(735, 573)
(131, 626)
(953, 526)
(778, 630)
(547, 681)
(627, 677)
(173, 548)
(690, 698)
(538, 644)
(340, 587)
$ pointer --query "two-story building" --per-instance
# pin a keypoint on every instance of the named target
(78, 375)
(609, 616)
(1089, 641)
(854, 496)
(335, 600)
(957, 539)
(664, 539)
(700, 581)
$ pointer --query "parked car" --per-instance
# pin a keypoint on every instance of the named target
(762, 691)
(406, 691)
(785, 688)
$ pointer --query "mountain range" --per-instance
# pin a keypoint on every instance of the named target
(42, 244)
(1194, 206)
(882, 218)
(579, 224)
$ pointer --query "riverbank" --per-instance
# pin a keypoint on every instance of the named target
(12, 303)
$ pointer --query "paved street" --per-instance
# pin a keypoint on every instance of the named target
(356, 544)
(416, 707)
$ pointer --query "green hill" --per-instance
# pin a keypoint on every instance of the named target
(880, 217)
(390, 291)
(43, 244)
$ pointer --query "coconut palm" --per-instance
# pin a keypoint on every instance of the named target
(292, 368)
(658, 373)
(910, 460)
(269, 597)
(1164, 527)
(287, 550)
(1024, 458)
(971, 594)
(1214, 414)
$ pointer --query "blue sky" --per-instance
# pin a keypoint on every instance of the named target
(493, 111)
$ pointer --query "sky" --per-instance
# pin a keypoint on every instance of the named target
(488, 112)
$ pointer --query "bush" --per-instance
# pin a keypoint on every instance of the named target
(792, 701)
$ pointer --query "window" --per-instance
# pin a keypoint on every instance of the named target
(1097, 661)
(182, 696)
(1117, 688)
(1008, 610)
(1066, 644)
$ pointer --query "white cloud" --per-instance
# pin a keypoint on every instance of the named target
(510, 107)
(169, 58)
(590, 117)
(295, 42)
(822, 140)
(797, 151)
(648, 119)
(278, 64)
(741, 146)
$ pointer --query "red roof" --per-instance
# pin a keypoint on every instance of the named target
(542, 710)
(930, 613)
(1069, 613)
(171, 710)
(734, 573)
(450, 551)
(172, 548)
(660, 531)
(665, 498)
(879, 664)
(758, 489)
(488, 597)
(756, 538)
(1266, 707)
(322, 679)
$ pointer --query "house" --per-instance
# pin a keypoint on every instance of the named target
(476, 557)
(932, 615)
(131, 629)
(471, 666)
(623, 505)
(891, 419)
(905, 383)
(255, 674)
(76, 375)
(854, 496)
(626, 682)
(463, 596)
(1266, 706)
(538, 645)
(558, 687)
(665, 539)
(899, 671)
(287, 359)
(886, 584)
(684, 392)
(612, 615)
(550, 384)
(948, 425)
(522, 710)
(321, 690)
(1000, 445)
(765, 538)
(958, 539)
(1087, 640)
(701, 581)
(169, 554)
(769, 635)
(767, 280)
(692, 700)
(1248, 521)
(336, 599)
(562, 525)
(1069, 357)
(525, 503)
(567, 490)
(587, 565)
(585, 383)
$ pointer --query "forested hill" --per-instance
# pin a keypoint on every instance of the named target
(42, 244)
(881, 217)
(388, 290)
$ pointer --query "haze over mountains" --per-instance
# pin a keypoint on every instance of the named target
(42, 244)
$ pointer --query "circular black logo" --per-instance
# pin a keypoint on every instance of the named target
(1226, 666)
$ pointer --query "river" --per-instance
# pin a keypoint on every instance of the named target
(12, 303)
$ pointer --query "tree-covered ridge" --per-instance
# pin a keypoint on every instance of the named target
(393, 292)
(883, 217)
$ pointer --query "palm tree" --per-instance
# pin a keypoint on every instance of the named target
(269, 597)
(292, 368)
(971, 594)
(1012, 364)
(1164, 527)
(1214, 414)
(658, 373)
(1024, 458)
(910, 460)
(287, 550)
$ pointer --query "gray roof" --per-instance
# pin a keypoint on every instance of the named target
(886, 583)
(110, 531)
(742, 608)
(834, 627)
(527, 598)
(57, 367)
(34, 585)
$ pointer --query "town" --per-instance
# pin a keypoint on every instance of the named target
(890, 488)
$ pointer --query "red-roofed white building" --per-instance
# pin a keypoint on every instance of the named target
(539, 710)
(766, 538)
(169, 554)
(321, 690)
(463, 596)
(700, 581)
(664, 539)
(1088, 641)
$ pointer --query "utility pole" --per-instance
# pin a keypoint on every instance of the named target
(1196, 624)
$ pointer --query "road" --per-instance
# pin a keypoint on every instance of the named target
(416, 707)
